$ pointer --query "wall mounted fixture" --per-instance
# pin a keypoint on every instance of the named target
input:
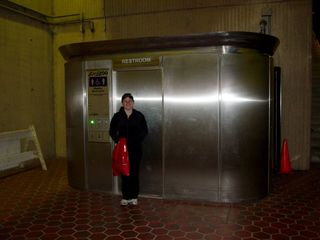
(265, 24)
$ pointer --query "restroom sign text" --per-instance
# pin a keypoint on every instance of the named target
(136, 62)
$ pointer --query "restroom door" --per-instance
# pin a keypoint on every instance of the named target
(146, 88)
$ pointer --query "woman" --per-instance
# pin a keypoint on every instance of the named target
(130, 124)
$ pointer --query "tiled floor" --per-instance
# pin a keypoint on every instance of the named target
(40, 205)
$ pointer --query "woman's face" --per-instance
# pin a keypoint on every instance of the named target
(127, 104)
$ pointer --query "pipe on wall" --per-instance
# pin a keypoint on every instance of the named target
(45, 19)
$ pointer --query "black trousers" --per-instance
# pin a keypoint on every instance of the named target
(130, 184)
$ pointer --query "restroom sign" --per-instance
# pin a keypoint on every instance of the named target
(97, 81)
(136, 62)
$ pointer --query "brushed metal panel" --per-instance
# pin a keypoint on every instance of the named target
(99, 170)
(146, 88)
(191, 126)
(99, 167)
(244, 126)
(75, 103)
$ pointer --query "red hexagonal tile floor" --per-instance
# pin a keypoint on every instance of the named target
(39, 204)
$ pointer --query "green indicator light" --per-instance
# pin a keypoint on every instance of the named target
(92, 122)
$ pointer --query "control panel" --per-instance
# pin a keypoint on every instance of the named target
(98, 105)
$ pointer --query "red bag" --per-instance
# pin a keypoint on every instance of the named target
(120, 159)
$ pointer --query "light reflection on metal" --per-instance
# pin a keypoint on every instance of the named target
(144, 99)
(224, 49)
(212, 99)
(228, 98)
(191, 99)
(235, 98)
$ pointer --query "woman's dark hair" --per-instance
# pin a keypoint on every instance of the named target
(129, 95)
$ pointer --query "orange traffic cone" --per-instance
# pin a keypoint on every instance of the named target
(285, 165)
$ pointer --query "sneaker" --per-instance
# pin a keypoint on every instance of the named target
(133, 201)
(124, 202)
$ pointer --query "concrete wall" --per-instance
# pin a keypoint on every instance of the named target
(26, 77)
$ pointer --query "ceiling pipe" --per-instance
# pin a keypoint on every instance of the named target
(45, 19)
(13, 7)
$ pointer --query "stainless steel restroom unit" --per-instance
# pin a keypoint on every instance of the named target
(207, 99)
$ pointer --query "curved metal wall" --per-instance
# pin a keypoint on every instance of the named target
(75, 121)
(209, 112)
(244, 126)
(216, 125)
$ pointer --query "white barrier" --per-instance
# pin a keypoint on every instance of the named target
(14, 148)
